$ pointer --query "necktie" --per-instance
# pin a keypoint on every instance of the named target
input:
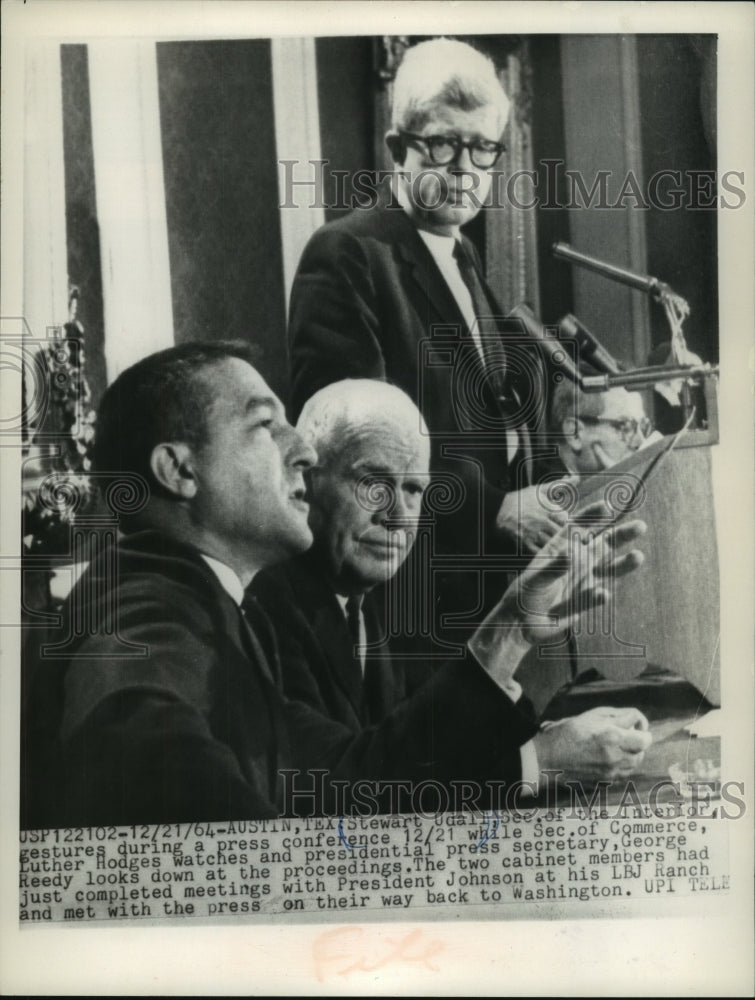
(354, 622)
(506, 400)
(372, 701)
(491, 345)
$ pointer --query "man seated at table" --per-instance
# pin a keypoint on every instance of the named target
(333, 618)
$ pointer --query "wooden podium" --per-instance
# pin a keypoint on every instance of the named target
(667, 614)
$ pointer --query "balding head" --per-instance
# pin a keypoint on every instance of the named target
(366, 490)
(598, 429)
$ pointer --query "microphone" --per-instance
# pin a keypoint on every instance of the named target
(588, 345)
(551, 345)
(645, 283)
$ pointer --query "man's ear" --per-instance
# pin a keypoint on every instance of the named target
(396, 146)
(172, 466)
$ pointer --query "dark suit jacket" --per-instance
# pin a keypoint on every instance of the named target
(164, 704)
(369, 301)
(428, 728)
(317, 653)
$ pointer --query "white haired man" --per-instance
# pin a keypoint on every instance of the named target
(332, 619)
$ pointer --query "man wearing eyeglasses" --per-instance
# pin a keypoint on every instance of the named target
(396, 292)
(598, 429)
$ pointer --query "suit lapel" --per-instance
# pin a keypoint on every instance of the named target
(265, 748)
(375, 695)
(249, 626)
(259, 647)
(383, 679)
(428, 281)
(318, 602)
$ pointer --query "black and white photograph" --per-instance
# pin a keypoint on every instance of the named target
(377, 498)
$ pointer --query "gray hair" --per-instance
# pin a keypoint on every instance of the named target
(568, 401)
(330, 416)
(444, 71)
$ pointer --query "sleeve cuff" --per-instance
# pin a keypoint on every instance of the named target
(530, 770)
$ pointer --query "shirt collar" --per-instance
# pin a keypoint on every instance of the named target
(343, 601)
(229, 581)
(438, 245)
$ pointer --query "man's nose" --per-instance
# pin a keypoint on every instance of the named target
(399, 512)
(462, 162)
(298, 451)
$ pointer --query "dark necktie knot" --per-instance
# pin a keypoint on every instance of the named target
(481, 302)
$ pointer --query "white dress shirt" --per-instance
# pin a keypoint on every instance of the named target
(442, 251)
(227, 577)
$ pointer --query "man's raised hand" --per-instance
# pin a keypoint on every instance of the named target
(574, 572)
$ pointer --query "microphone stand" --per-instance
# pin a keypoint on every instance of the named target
(676, 309)
(646, 378)
(705, 375)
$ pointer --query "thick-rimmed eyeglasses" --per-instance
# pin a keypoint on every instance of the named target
(444, 149)
(628, 427)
